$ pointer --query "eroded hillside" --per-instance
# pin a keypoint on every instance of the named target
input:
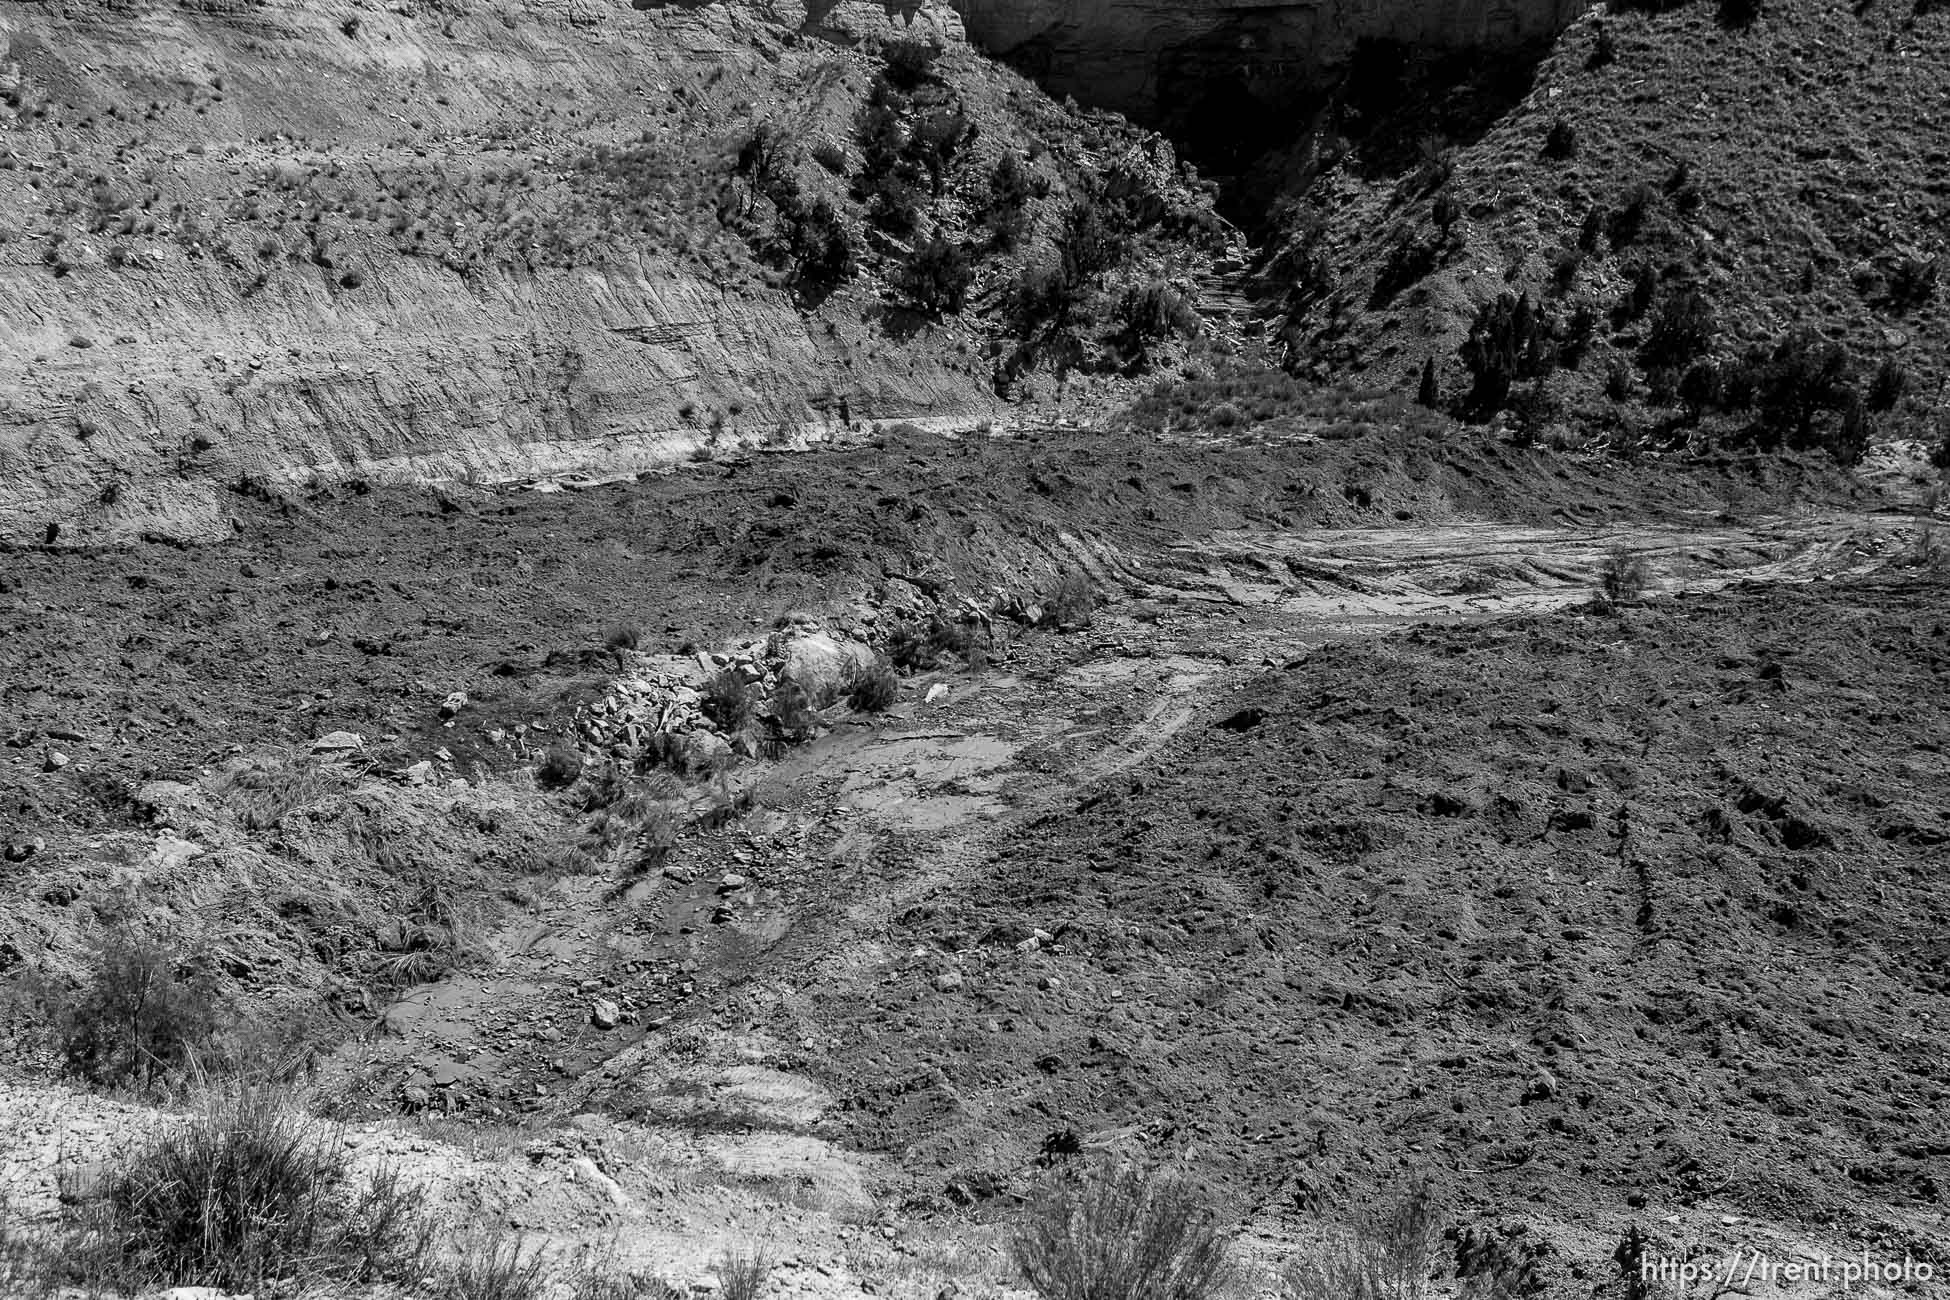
(267, 242)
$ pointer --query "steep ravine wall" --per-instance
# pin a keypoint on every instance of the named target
(1193, 65)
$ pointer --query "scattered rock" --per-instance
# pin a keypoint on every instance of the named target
(420, 773)
(731, 881)
(604, 1014)
(935, 692)
(338, 745)
(948, 981)
(453, 704)
(53, 761)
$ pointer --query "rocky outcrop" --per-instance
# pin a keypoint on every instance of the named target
(1192, 67)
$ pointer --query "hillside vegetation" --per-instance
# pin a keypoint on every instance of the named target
(1692, 224)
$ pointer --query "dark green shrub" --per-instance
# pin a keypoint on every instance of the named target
(1561, 142)
(1410, 259)
(1090, 243)
(937, 276)
(1004, 210)
(1682, 329)
(1626, 220)
(1887, 386)
(820, 248)
(1622, 576)
(559, 767)
(1850, 441)
(1604, 48)
(1637, 299)
(1803, 376)
(1700, 387)
(1071, 603)
(1913, 282)
(936, 139)
(909, 61)
(1149, 314)
(1738, 15)
(1508, 341)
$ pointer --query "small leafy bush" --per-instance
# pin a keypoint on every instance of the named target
(140, 1016)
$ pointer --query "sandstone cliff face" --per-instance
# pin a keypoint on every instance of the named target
(1194, 65)
(151, 358)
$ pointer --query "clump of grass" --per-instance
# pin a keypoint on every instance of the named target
(728, 699)
(1122, 1234)
(249, 1192)
(492, 1268)
(265, 791)
(742, 1276)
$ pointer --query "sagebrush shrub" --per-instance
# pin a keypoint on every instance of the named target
(872, 688)
(1072, 602)
(1122, 1234)
(1622, 576)
(1388, 1258)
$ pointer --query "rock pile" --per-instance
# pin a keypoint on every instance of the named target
(665, 694)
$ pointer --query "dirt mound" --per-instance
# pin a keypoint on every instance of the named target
(1595, 919)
